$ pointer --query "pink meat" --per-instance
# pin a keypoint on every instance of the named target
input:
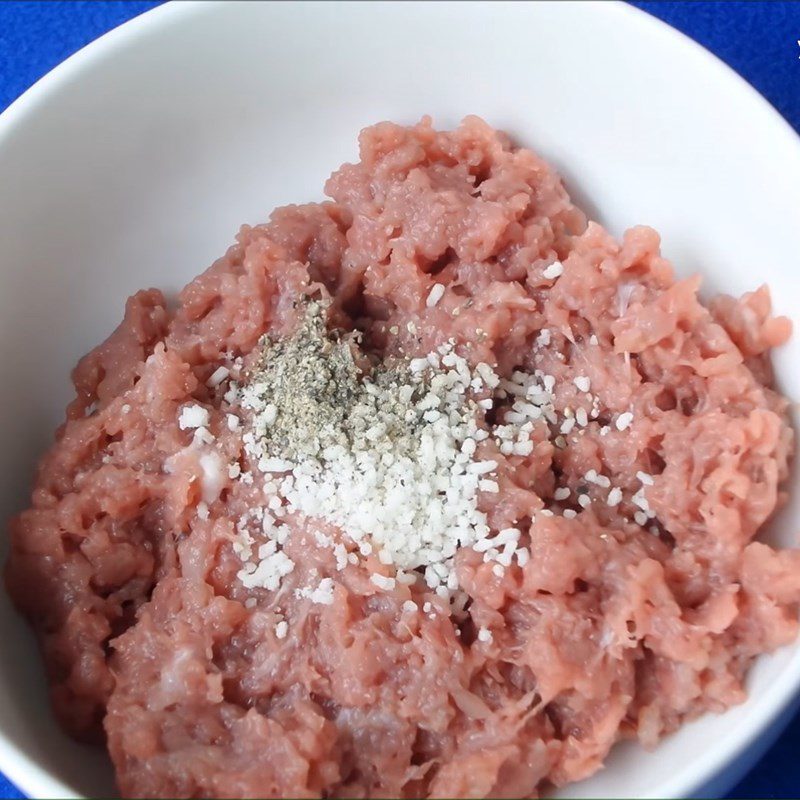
(611, 630)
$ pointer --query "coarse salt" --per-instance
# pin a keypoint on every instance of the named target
(624, 420)
(582, 383)
(217, 377)
(592, 476)
(322, 594)
(435, 295)
(203, 436)
(193, 416)
(383, 582)
(554, 270)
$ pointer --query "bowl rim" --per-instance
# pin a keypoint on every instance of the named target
(35, 781)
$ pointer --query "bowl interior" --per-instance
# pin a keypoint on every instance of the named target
(134, 164)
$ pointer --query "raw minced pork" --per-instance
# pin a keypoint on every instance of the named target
(611, 630)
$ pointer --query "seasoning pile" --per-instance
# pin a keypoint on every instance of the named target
(391, 454)
(387, 455)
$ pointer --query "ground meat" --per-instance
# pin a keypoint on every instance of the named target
(125, 567)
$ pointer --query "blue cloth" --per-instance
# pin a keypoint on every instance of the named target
(759, 40)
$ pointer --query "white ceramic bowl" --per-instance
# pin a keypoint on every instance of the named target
(133, 163)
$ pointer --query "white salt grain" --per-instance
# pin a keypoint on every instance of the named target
(217, 376)
(435, 295)
(193, 416)
(383, 582)
(322, 594)
(624, 420)
(553, 271)
(203, 436)
(582, 383)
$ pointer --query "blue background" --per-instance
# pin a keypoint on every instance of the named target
(758, 39)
